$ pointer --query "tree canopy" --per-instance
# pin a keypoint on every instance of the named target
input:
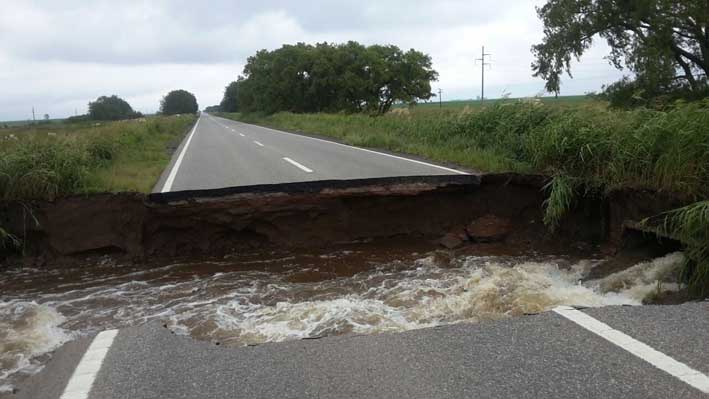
(664, 42)
(111, 108)
(330, 78)
(230, 102)
(178, 102)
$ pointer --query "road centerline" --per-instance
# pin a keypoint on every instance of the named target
(84, 375)
(645, 352)
(460, 172)
(298, 165)
(258, 143)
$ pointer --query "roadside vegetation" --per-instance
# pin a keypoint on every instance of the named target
(46, 161)
(690, 225)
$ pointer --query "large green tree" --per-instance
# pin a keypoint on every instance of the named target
(178, 102)
(111, 108)
(326, 77)
(664, 42)
(230, 101)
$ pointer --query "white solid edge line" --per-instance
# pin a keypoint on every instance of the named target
(298, 165)
(460, 172)
(658, 359)
(84, 375)
(258, 144)
(173, 173)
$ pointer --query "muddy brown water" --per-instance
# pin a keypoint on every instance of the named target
(254, 298)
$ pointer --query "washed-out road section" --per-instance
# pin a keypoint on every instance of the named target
(220, 152)
(539, 356)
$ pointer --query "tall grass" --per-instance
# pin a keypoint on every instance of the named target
(690, 225)
(562, 194)
(584, 147)
(43, 163)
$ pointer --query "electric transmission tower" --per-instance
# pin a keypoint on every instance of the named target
(483, 64)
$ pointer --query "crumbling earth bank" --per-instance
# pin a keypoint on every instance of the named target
(495, 207)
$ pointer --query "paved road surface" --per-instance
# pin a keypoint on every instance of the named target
(541, 356)
(224, 153)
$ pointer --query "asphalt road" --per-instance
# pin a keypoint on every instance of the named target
(539, 356)
(224, 153)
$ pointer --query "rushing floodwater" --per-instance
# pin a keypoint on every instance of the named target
(293, 297)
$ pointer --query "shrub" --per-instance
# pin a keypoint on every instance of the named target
(39, 170)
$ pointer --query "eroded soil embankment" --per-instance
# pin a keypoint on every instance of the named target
(314, 214)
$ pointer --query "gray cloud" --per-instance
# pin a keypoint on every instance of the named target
(58, 55)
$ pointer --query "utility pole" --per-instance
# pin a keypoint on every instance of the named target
(440, 98)
(33, 118)
(483, 64)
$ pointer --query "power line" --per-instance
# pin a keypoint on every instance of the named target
(483, 64)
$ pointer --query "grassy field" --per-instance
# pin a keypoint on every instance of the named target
(48, 160)
(586, 148)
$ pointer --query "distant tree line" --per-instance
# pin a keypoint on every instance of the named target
(113, 108)
(327, 77)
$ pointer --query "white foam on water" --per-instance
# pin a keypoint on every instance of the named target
(27, 330)
(482, 288)
(286, 321)
(239, 308)
(640, 281)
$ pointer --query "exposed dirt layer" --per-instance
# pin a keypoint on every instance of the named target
(472, 209)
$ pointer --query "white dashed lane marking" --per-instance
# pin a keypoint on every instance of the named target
(460, 172)
(298, 165)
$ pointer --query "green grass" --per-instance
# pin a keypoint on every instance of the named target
(587, 148)
(561, 101)
(46, 161)
(690, 225)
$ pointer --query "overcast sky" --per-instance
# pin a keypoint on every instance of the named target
(57, 55)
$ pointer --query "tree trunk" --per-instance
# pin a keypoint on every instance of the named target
(687, 72)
